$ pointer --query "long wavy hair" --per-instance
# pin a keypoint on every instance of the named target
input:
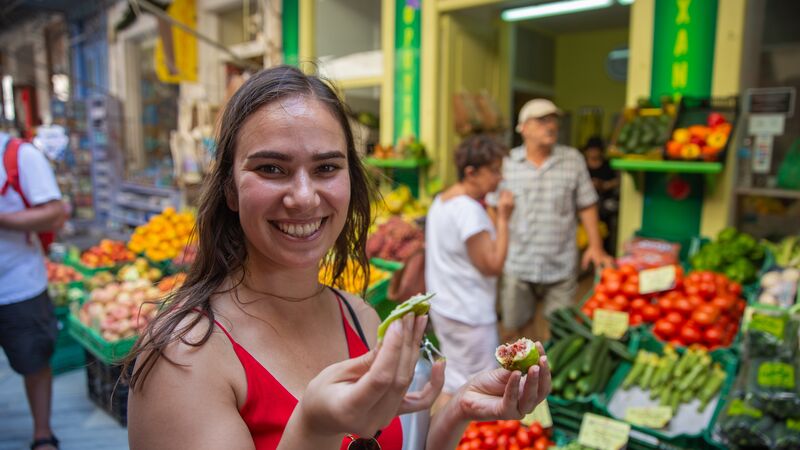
(221, 240)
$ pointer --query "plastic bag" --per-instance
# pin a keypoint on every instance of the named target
(743, 425)
(772, 386)
(771, 332)
(789, 170)
(786, 435)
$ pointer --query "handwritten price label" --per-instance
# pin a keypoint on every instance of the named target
(649, 416)
(603, 433)
(773, 325)
(541, 414)
(657, 280)
(613, 324)
(776, 375)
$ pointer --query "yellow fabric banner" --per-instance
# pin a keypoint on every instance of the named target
(176, 50)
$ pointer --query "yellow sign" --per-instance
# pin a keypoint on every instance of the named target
(613, 324)
(541, 414)
(176, 49)
(656, 280)
(603, 433)
(649, 416)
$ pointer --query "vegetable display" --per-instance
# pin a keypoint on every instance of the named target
(737, 255)
(505, 435)
(702, 141)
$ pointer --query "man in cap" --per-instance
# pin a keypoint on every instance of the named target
(553, 189)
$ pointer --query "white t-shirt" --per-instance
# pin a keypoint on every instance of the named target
(462, 292)
(22, 271)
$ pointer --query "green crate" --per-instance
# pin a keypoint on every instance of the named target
(68, 356)
(699, 440)
(385, 264)
(90, 339)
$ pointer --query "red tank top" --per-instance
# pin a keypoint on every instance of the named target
(268, 405)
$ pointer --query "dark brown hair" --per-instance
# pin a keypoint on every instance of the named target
(477, 151)
(221, 240)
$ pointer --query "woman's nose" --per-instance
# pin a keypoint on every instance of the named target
(302, 194)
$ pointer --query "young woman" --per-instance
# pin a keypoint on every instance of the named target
(464, 255)
(252, 352)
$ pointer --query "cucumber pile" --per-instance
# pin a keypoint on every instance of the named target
(675, 379)
(581, 363)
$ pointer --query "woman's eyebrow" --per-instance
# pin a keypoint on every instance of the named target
(269, 154)
(335, 154)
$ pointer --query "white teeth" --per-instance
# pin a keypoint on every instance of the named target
(299, 230)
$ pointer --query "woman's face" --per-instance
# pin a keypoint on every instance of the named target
(487, 178)
(292, 183)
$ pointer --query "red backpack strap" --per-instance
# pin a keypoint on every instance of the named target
(11, 164)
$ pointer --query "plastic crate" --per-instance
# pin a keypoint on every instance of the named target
(629, 114)
(68, 353)
(106, 389)
(90, 339)
(699, 440)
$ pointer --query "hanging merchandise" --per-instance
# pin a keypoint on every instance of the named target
(186, 160)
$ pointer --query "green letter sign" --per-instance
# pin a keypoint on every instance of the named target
(406, 72)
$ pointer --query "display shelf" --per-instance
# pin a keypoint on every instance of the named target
(140, 206)
(391, 163)
(633, 165)
(150, 190)
(769, 192)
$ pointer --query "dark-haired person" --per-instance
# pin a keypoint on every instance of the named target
(464, 255)
(252, 352)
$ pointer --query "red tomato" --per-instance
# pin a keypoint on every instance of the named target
(664, 329)
(710, 309)
(502, 441)
(665, 305)
(490, 442)
(707, 277)
(535, 430)
(475, 445)
(724, 303)
(702, 318)
(630, 290)
(522, 437)
(621, 301)
(695, 301)
(683, 306)
(638, 303)
(635, 319)
(588, 311)
(627, 270)
(513, 446)
(692, 289)
(650, 313)
(541, 443)
(708, 290)
(690, 335)
(674, 318)
(741, 304)
(612, 306)
(609, 273)
(509, 427)
(735, 288)
(600, 289)
(713, 336)
(612, 287)
(633, 279)
(601, 297)
(694, 278)
(472, 434)
(592, 303)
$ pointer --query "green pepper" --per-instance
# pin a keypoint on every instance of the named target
(727, 234)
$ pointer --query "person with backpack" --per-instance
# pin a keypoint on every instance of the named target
(30, 207)
(465, 253)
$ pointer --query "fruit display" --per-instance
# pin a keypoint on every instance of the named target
(779, 287)
(506, 435)
(738, 255)
(107, 253)
(675, 379)
(519, 355)
(99, 280)
(163, 236)
(120, 310)
(171, 283)
(407, 148)
(61, 274)
(618, 290)
(398, 202)
(395, 240)
(61, 294)
(705, 309)
(644, 133)
(352, 279)
(703, 142)
(139, 270)
(186, 256)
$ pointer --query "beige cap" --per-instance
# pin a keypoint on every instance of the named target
(536, 108)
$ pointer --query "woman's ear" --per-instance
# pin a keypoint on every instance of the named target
(469, 171)
(231, 199)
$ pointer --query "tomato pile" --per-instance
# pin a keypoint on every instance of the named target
(704, 308)
(505, 435)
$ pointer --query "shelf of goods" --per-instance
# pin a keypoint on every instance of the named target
(135, 204)
(104, 114)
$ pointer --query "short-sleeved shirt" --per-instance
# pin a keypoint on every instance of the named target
(462, 292)
(22, 271)
(542, 247)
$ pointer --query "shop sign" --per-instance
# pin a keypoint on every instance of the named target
(407, 68)
(176, 49)
(683, 47)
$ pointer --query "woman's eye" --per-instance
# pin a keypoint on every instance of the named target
(328, 168)
(269, 169)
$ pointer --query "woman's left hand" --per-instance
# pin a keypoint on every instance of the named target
(501, 395)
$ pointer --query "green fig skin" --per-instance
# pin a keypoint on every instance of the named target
(519, 362)
(418, 304)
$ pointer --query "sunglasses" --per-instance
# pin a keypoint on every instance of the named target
(360, 443)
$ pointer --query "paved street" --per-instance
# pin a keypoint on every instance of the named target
(77, 422)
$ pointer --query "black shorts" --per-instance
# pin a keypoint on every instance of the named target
(28, 331)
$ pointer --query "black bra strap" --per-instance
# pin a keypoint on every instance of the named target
(353, 316)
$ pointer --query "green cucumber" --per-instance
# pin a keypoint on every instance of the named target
(593, 354)
(571, 352)
(560, 380)
(636, 370)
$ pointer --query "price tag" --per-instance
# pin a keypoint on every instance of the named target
(773, 325)
(657, 280)
(649, 416)
(776, 375)
(541, 414)
(613, 324)
(740, 408)
(603, 433)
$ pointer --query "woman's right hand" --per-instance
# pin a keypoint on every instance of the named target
(505, 205)
(363, 395)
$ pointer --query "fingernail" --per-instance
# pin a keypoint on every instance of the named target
(543, 359)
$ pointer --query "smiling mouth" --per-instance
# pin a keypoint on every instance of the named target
(299, 230)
